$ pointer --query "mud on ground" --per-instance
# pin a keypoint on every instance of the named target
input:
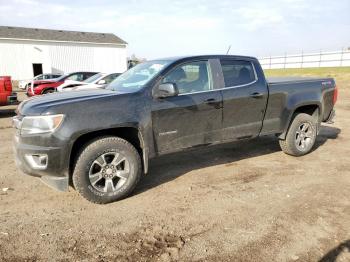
(237, 202)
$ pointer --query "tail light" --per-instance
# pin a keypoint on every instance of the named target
(335, 95)
(8, 85)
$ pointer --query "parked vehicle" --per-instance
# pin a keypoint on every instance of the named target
(49, 86)
(7, 97)
(103, 139)
(25, 83)
(95, 81)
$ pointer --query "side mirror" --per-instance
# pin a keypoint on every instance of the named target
(165, 90)
(101, 82)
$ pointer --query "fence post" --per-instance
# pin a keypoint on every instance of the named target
(319, 64)
(341, 56)
(302, 58)
(270, 61)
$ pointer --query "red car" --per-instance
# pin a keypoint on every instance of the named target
(49, 86)
(7, 97)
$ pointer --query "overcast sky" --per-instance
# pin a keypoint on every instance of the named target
(182, 27)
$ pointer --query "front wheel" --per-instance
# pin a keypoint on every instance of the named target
(107, 170)
(301, 136)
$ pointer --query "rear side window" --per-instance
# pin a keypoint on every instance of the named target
(76, 77)
(237, 72)
(87, 75)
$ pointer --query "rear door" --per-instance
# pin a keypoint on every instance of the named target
(244, 99)
(194, 117)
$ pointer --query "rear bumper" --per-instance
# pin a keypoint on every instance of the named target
(12, 99)
(330, 119)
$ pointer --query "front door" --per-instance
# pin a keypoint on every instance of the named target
(192, 118)
(245, 99)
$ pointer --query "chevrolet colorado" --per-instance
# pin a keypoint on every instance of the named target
(102, 140)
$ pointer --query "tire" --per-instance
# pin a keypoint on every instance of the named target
(99, 178)
(301, 136)
(48, 91)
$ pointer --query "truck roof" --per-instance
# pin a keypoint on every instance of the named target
(177, 58)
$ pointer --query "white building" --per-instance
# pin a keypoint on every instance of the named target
(26, 52)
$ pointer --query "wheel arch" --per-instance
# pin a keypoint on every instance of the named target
(46, 89)
(313, 109)
(131, 134)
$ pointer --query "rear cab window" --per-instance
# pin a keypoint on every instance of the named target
(238, 72)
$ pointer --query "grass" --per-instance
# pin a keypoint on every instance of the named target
(341, 74)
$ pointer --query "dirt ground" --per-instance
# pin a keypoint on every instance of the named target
(237, 202)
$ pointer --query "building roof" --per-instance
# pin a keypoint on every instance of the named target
(58, 35)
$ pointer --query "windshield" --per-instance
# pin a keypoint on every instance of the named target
(93, 78)
(137, 77)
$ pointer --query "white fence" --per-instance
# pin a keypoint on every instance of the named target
(320, 59)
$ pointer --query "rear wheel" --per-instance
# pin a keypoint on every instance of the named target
(48, 91)
(107, 170)
(301, 136)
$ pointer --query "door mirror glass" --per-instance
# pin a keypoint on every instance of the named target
(101, 82)
(165, 90)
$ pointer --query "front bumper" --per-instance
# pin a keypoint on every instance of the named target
(54, 172)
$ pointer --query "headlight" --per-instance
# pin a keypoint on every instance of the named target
(40, 124)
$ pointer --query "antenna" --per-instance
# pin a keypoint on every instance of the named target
(228, 50)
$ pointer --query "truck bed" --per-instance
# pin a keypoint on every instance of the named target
(281, 80)
(288, 93)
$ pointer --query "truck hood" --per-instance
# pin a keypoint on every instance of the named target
(39, 104)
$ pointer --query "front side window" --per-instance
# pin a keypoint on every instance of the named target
(237, 72)
(190, 77)
(138, 76)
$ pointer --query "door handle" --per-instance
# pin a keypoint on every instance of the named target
(210, 101)
(213, 102)
(256, 95)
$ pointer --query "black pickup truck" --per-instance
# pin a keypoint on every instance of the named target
(102, 140)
